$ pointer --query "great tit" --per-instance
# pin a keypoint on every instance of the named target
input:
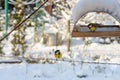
(92, 27)
(58, 54)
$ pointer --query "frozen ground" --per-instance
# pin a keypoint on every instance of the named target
(59, 71)
(94, 52)
(68, 70)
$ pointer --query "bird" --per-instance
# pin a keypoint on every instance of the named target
(58, 54)
(93, 26)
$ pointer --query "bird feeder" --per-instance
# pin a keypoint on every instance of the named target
(99, 31)
(93, 30)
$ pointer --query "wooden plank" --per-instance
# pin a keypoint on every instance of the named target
(86, 29)
(96, 34)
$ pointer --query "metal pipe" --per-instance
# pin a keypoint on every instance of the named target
(6, 17)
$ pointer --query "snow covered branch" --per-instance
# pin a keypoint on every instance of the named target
(83, 7)
(24, 2)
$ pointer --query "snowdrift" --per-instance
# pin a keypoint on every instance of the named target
(83, 7)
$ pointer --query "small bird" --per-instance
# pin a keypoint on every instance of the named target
(92, 27)
(58, 54)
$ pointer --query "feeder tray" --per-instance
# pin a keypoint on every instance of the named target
(101, 31)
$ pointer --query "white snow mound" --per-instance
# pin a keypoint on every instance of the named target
(83, 7)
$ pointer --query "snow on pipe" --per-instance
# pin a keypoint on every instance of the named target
(24, 2)
(83, 7)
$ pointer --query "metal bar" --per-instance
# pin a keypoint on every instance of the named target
(6, 17)
(79, 61)
(102, 26)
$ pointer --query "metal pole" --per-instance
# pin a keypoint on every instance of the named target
(6, 16)
(35, 20)
(37, 4)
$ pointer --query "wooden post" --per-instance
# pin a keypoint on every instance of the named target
(48, 7)
(68, 36)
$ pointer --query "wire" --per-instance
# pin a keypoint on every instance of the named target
(70, 60)
(18, 25)
(53, 59)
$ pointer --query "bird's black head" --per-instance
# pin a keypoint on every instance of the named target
(57, 51)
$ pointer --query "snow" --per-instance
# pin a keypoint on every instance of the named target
(74, 69)
(59, 71)
(12, 72)
(85, 6)
(68, 70)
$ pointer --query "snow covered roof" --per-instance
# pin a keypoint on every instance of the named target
(111, 7)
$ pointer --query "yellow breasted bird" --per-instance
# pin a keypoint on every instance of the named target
(58, 54)
(92, 27)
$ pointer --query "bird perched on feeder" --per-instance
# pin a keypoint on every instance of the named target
(58, 54)
(93, 26)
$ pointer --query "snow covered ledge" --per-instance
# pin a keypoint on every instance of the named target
(83, 7)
